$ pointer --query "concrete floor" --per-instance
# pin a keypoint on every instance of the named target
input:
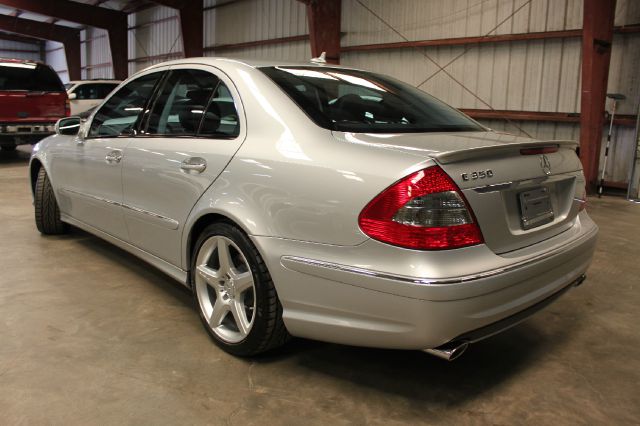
(90, 335)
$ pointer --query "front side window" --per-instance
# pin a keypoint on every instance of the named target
(120, 113)
(104, 89)
(94, 90)
(86, 91)
(357, 101)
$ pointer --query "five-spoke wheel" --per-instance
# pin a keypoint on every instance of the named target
(234, 293)
(225, 289)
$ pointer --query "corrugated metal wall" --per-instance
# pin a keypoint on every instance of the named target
(154, 36)
(540, 75)
(95, 54)
(18, 50)
(254, 20)
(56, 59)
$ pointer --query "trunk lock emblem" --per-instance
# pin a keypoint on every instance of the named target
(545, 164)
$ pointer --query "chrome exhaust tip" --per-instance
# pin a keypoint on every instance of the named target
(449, 351)
(579, 280)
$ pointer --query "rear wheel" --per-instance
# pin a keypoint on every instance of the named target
(234, 293)
(47, 213)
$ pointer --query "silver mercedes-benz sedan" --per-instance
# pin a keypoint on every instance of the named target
(320, 201)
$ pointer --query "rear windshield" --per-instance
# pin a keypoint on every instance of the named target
(31, 77)
(363, 102)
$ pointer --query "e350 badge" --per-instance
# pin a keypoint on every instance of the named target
(480, 174)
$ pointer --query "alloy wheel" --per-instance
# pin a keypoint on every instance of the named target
(225, 289)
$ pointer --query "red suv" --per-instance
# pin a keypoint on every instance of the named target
(32, 99)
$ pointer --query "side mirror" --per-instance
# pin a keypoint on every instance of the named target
(72, 96)
(68, 126)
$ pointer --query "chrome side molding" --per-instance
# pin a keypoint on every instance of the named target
(294, 263)
(166, 221)
(493, 188)
(171, 223)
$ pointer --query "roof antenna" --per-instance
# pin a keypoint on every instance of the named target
(322, 59)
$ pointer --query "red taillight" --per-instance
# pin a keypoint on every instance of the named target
(424, 211)
(539, 150)
(67, 107)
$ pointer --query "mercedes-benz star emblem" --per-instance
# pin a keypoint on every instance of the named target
(545, 164)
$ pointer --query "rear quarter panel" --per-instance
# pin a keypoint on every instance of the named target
(292, 179)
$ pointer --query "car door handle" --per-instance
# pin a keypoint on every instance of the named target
(114, 156)
(196, 164)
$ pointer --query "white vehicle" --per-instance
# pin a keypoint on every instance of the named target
(86, 94)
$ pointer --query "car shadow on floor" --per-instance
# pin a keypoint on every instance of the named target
(420, 377)
(124, 259)
(413, 375)
(19, 156)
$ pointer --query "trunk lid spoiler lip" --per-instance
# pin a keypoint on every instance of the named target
(447, 157)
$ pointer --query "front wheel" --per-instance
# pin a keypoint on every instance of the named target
(234, 293)
(47, 213)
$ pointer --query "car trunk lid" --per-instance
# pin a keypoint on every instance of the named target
(521, 190)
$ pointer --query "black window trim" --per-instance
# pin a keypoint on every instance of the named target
(143, 119)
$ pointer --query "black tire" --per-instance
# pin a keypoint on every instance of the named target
(8, 147)
(268, 330)
(47, 213)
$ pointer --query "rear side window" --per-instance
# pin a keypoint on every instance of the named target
(221, 117)
(358, 101)
(29, 77)
(181, 104)
(120, 113)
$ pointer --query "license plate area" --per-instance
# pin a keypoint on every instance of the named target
(535, 208)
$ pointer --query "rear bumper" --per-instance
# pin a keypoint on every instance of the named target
(24, 129)
(353, 303)
(25, 133)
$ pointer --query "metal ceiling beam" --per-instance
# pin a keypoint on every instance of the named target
(324, 27)
(191, 24)
(70, 37)
(18, 38)
(266, 42)
(553, 117)
(501, 38)
(597, 36)
(115, 22)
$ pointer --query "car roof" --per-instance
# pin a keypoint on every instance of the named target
(252, 63)
(21, 61)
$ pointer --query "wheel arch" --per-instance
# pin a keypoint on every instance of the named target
(195, 229)
(34, 169)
